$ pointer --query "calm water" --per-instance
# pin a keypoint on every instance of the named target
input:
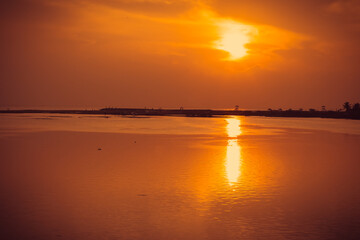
(91, 177)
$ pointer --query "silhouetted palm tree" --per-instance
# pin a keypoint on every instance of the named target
(347, 106)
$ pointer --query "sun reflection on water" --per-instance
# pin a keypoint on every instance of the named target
(233, 151)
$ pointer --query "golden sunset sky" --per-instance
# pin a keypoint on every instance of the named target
(165, 53)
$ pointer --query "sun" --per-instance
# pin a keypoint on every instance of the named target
(233, 38)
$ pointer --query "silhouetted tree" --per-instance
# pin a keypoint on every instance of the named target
(356, 107)
(236, 108)
(347, 106)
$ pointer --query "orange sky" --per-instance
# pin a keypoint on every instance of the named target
(165, 53)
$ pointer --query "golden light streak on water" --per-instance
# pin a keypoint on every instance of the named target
(233, 151)
(233, 128)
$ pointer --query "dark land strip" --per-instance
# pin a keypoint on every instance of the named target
(199, 112)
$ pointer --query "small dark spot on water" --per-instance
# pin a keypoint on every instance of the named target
(99, 149)
(142, 195)
(134, 141)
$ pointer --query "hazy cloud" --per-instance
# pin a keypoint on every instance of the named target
(141, 52)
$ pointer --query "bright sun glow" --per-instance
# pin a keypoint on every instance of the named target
(234, 37)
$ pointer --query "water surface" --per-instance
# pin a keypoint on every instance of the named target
(91, 177)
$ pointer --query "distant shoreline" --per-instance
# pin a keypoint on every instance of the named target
(199, 112)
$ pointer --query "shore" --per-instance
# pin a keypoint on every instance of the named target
(199, 112)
